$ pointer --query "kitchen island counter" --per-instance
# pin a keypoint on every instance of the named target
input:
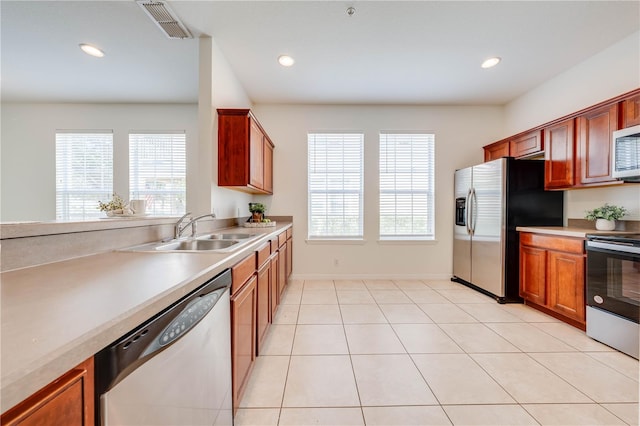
(56, 315)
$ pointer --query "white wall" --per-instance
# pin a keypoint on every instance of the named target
(219, 88)
(460, 134)
(28, 147)
(612, 72)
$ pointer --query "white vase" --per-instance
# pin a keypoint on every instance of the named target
(605, 225)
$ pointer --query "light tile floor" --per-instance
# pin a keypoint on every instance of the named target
(382, 352)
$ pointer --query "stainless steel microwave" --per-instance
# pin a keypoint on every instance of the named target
(625, 154)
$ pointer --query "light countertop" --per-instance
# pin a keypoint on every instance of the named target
(56, 315)
(565, 231)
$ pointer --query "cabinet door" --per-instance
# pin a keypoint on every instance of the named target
(558, 155)
(256, 156)
(289, 267)
(67, 401)
(282, 270)
(496, 150)
(527, 144)
(565, 277)
(631, 112)
(263, 314)
(533, 274)
(273, 283)
(268, 166)
(243, 337)
(594, 144)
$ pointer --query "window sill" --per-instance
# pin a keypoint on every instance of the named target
(338, 241)
(408, 242)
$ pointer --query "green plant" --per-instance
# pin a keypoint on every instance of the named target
(606, 212)
(116, 203)
(257, 208)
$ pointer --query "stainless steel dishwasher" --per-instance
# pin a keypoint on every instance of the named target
(174, 369)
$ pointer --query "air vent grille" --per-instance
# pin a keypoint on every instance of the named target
(165, 19)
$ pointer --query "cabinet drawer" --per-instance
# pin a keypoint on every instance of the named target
(550, 242)
(263, 252)
(289, 233)
(242, 271)
(282, 238)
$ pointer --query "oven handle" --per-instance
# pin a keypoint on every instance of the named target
(613, 247)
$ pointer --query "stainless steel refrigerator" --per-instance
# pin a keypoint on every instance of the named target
(492, 199)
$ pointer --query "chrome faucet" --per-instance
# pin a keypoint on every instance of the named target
(193, 223)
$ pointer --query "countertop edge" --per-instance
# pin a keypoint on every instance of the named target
(565, 231)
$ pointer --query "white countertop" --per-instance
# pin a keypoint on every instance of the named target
(56, 315)
(565, 231)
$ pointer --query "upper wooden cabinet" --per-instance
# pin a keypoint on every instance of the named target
(631, 111)
(245, 153)
(528, 144)
(496, 150)
(593, 147)
(558, 155)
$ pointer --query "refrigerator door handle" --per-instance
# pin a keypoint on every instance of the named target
(468, 212)
(474, 214)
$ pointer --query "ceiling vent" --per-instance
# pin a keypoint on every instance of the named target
(163, 16)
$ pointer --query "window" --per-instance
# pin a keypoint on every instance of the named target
(407, 186)
(158, 171)
(84, 174)
(335, 185)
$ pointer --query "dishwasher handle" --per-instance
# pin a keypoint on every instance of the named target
(118, 360)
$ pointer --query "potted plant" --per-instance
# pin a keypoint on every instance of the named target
(116, 206)
(606, 216)
(257, 211)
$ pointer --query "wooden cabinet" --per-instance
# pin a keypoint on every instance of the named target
(552, 276)
(67, 401)
(558, 155)
(263, 308)
(289, 267)
(565, 275)
(594, 131)
(631, 111)
(527, 145)
(243, 325)
(282, 269)
(496, 150)
(245, 153)
(533, 262)
(273, 283)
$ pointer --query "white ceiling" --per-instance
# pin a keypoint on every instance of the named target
(388, 52)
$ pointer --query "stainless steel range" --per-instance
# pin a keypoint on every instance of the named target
(613, 291)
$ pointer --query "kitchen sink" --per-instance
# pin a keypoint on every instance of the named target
(198, 245)
(220, 242)
(227, 236)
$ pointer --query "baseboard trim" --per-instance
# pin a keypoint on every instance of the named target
(371, 277)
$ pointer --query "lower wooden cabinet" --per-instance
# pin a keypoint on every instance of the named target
(282, 269)
(243, 337)
(67, 401)
(273, 283)
(263, 314)
(552, 276)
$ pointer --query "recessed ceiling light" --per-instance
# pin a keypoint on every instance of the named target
(286, 60)
(491, 62)
(91, 50)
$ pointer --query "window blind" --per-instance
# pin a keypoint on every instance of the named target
(407, 163)
(335, 185)
(84, 174)
(158, 172)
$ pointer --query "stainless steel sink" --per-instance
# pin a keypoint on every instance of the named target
(221, 243)
(198, 245)
(227, 236)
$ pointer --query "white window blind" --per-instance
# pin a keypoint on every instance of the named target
(158, 172)
(407, 163)
(335, 185)
(84, 174)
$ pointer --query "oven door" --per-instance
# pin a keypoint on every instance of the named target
(613, 278)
